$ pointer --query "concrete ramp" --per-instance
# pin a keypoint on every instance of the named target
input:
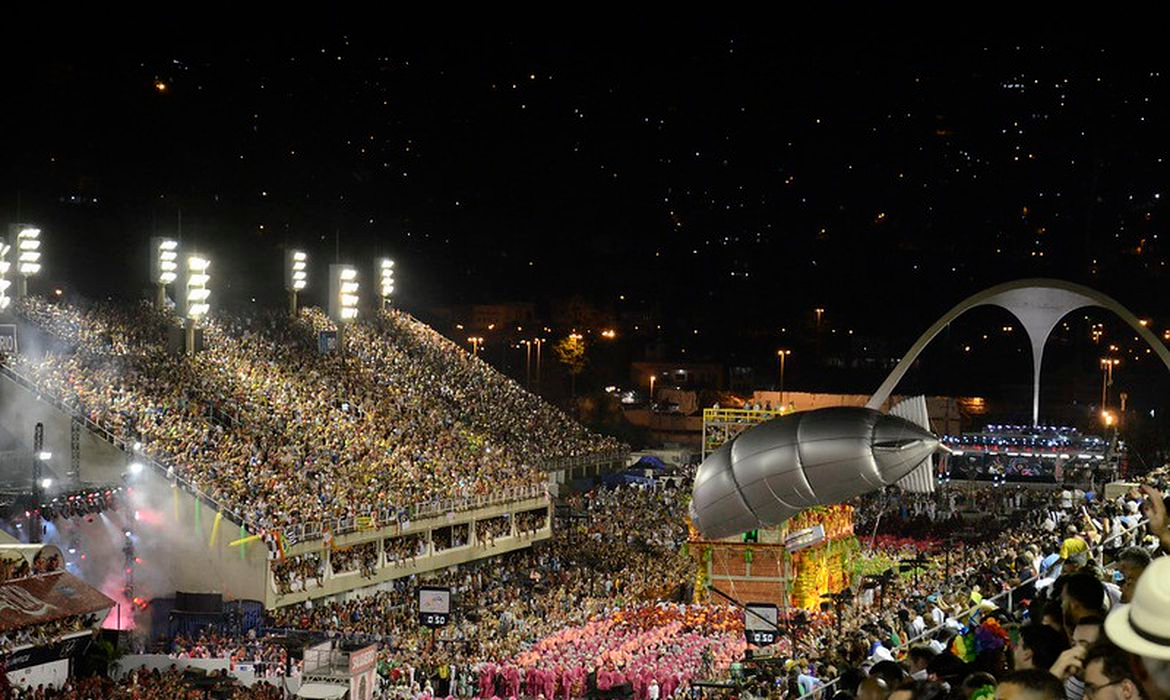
(22, 406)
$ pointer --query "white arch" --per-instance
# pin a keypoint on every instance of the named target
(1039, 304)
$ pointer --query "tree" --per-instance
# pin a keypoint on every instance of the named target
(570, 351)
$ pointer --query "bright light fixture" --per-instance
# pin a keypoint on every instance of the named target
(386, 277)
(5, 283)
(343, 293)
(28, 245)
(296, 272)
(197, 292)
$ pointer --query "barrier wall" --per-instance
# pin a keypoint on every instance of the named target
(50, 675)
(431, 560)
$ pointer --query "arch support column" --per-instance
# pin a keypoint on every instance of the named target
(1038, 304)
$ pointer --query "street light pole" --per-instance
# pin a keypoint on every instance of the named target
(34, 522)
(527, 364)
(1107, 365)
(782, 353)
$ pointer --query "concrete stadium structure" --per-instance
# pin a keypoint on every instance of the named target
(1039, 304)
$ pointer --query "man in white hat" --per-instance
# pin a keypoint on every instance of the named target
(1143, 629)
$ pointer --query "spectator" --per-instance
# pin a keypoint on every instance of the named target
(980, 683)
(1038, 648)
(1108, 673)
(919, 690)
(920, 658)
(1131, 562)
(1143, 629)
(1081, 595)
(1029, 684)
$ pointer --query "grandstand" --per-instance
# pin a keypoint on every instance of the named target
(269, 471)
(1037, 454)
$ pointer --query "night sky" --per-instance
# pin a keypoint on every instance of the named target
(726, 182)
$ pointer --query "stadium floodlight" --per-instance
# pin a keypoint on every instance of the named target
(296, 276)
(5, 266)
(343, 293)
(198, 294)
(196, 291)
(164, 266)
(385, 273)
(26, 238)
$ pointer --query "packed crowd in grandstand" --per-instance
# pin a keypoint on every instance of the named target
(281, 434)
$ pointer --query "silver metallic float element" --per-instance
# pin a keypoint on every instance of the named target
(773, 471)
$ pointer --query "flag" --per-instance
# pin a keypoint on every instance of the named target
(214, 530)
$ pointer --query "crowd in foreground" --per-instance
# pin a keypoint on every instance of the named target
(140, 684)
(1021, 614)
(605, 607)
(280, 434)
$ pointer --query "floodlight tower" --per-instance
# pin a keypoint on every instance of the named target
(343, 299)
(27, 240)
(385, 273)
(296, 276)
(164, 266)
(5, 283)
(196, 295)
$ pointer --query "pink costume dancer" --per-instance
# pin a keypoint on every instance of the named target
(485, 681)
(513, 681)
(549, 686)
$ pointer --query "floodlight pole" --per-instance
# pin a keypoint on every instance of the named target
(292, 303)
(34, 522)
(160, 298)
(190, 345)
(21, 286)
